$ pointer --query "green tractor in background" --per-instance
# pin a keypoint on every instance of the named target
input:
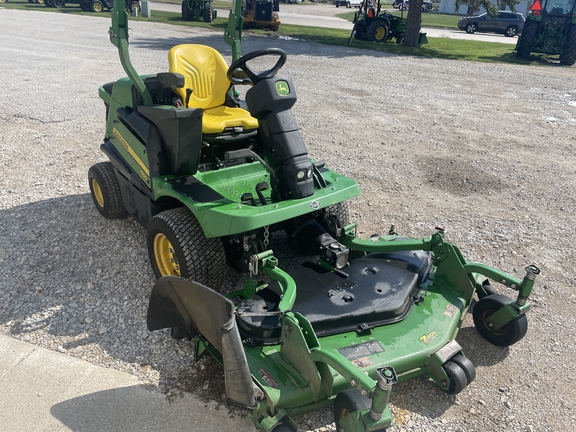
(371, 23)
(550, 28)
(195, 9)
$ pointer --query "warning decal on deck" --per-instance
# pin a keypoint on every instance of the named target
(361, 350)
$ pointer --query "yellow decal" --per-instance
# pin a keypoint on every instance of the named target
(144, 173)
(429, 337)
(282, 88)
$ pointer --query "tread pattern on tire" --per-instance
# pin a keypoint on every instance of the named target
(527, 39)
(201, 259)
(568, 55)
(341, 210)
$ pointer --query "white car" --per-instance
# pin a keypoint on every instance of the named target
(349, 3)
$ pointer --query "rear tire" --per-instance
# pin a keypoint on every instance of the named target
(568, 55)
(186, 15)
(378, 31)
(177, 246)
(105, 191)
(527, 39)
(208, 12)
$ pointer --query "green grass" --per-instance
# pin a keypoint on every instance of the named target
(446, 48)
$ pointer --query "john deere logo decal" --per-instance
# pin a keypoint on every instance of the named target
(282, 88)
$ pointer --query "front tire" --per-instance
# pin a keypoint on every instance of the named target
(95, 6)
(105, 191)
(135, 8)
(378, 31)
(471, 28)
(349, 401)
(177, 246)
(507, 335)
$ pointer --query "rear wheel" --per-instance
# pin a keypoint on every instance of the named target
(208, 12)
(508, 334)
(378, 31)
(186, 16)
(511, 31)
(349, 401)
(105, 191)
(527, 39)
(568, 55)
(177, 246)
(471, 28)
(58, 3)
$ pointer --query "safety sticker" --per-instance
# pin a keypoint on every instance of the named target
(363, 362)
(361, 350)
(267, 379)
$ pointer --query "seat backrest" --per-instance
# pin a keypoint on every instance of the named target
(204, 71)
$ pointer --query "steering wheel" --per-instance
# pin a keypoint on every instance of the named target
(247, 75)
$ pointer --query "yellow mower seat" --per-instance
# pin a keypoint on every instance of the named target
(204, 71)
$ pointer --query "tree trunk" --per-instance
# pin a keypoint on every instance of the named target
(413, 23)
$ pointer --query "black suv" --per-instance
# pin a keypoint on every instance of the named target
(508, 23)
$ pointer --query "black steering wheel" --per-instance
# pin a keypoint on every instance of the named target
(246, 75)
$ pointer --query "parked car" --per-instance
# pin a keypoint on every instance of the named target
(508, 23)
(349, 3)
(405, 5)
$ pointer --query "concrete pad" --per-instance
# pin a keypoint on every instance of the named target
(42, 390)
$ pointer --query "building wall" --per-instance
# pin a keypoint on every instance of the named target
(449, 7)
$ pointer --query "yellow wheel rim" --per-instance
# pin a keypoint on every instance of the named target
(380, 32)
(165, 256)
(97, 7)
(97, 193)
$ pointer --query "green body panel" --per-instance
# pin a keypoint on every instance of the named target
(228, 216)
(407, 346)
(131, 149)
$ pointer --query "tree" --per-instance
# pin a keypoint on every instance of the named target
(413, 23)
(510, 3)
(475, 5)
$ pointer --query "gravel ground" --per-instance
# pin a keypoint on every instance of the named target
(485, 150)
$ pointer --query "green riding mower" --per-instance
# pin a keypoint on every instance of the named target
(211, 177)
